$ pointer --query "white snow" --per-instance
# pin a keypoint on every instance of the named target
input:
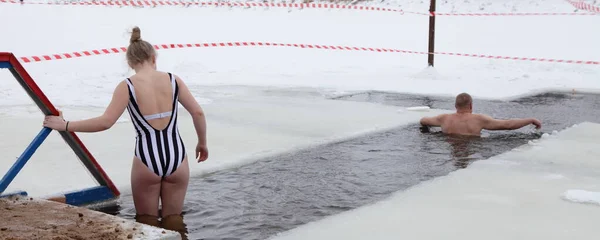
(582, 196)
(419, 108)
(509, 196)
(557, 37)
(265, 100)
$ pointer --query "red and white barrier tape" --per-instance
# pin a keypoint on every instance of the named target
(310, 46)
(145, 3)
(511, 14)
(584, 6)
(593, 10)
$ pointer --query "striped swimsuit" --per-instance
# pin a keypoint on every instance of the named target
(162, 151)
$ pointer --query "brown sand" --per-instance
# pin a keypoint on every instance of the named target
(30, 219)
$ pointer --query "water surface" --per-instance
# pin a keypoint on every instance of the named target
(282, 192)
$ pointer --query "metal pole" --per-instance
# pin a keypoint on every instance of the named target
(47, 108)
(431, 32)
(25, 156)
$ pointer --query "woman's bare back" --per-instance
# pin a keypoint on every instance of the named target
(154, 95)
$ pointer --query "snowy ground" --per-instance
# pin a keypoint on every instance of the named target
(537, 191)
(561, 37)
(245, 120)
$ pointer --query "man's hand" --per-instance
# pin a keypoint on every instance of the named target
(201, 153)
(537, 123)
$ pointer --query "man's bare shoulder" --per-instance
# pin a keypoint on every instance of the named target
(443, 116)
(478, 115)
(439, 116)
(483, 117)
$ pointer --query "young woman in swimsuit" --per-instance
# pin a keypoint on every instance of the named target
(160, 166)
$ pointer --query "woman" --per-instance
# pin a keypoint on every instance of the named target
(160, 168)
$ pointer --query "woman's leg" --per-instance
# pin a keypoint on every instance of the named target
(145, 188)
(173, 190)
(175, 223)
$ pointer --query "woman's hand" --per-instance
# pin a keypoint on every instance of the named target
(55, 122)
(201, 153)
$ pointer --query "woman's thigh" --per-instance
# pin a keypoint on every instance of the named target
(173, 191)
(145, 188)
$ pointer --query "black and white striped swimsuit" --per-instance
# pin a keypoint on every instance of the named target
(162, 151)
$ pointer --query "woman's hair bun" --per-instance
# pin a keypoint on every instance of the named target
(136, 35)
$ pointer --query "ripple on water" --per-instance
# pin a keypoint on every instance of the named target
(259, 200)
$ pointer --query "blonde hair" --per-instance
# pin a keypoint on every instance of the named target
(139, 50)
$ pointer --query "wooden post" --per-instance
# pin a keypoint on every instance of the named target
(431, 32)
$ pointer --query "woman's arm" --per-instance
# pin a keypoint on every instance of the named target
(115, 109)
(191, 105)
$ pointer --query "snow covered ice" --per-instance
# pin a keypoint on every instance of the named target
(582, 196)
(518, 194)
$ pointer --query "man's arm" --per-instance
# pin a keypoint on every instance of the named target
(433, 121)
(489, 123)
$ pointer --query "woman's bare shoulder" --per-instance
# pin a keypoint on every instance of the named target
(178, 79)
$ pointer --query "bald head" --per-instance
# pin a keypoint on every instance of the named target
(463, 101)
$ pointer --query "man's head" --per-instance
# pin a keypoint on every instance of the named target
(464, 102)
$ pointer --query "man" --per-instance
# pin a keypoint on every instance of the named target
(464, 122)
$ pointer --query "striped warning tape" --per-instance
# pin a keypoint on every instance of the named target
(512, 14)
(584, 6)
(146, 3)
(593, 10)
(269, 44)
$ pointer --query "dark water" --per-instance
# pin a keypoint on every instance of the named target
(279, 193)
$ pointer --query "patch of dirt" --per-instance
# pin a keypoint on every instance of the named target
(23, 218)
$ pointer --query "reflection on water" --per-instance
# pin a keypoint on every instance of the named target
(466, 149)
(280, 193)
(460, 151)
(463, 149)
(175, 223)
